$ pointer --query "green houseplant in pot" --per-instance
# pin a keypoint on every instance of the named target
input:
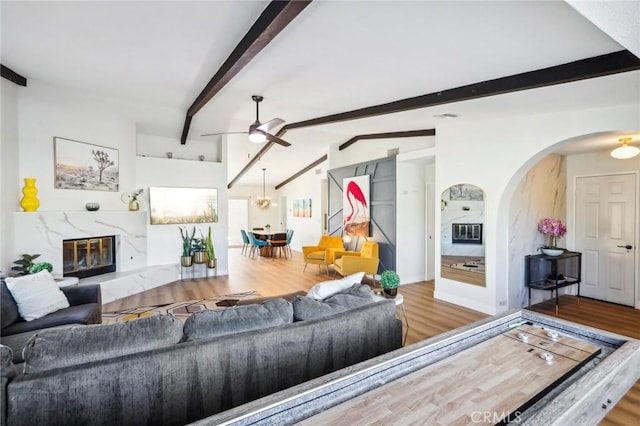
(210, 250)
(199, 253)
(25, 264)
(390, 282)
(187, 242)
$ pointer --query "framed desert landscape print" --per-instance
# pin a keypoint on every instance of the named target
(84, 166)
(170, 205)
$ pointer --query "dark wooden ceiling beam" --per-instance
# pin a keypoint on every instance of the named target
(597, 66)
(276, 16)
(303, 171)
(12, 76)
(388, 135)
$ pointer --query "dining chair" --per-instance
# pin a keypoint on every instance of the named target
(278, 242)
(256, 244)
(289, 238)
(245, 241)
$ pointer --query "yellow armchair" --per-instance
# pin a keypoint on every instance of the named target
(349, 262)
(322, 254)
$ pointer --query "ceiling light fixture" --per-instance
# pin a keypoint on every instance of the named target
(264, 202)
(625, 151)
(256, 136)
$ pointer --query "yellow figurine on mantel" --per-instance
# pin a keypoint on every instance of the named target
(30, 202)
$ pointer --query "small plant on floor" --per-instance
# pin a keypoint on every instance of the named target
(24, 265)
(390, 282)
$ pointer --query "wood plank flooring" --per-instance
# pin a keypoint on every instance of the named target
(427, 317)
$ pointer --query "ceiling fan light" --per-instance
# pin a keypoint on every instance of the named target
(257, 137)
(625, 151)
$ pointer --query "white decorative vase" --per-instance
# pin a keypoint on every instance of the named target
(552, 252)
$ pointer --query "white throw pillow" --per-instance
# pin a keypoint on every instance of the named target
(36, 295)
(328, 288)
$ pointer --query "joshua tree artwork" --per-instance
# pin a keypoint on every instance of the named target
(81, 165)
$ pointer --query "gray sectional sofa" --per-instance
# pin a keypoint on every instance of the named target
(85, 308)
(155, 370)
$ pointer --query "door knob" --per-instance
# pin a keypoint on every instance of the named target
(628, 247)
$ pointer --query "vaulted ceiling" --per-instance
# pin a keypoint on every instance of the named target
(155, 57)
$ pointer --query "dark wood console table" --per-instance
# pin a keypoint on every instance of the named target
(544, 272)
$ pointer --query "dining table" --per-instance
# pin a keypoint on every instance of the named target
(266, 235)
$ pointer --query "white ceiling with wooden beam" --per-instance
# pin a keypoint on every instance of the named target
(154, 58)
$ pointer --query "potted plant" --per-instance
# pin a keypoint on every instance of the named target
(554, 229)
(390, 282)
(133, 199)
(187, 242)
(211, 253)
(25, 264)
(267, 227)
(199, 253)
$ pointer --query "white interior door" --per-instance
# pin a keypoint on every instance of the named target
(605, 235)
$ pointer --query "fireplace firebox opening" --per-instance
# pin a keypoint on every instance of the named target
(86, 257)
(466, 233)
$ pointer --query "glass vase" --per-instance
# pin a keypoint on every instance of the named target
(553, 241)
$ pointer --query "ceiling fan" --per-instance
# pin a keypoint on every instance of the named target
(258, 132)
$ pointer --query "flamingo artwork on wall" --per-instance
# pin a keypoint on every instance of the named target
(355, 206)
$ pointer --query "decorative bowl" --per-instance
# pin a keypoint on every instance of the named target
(92, 207)
(552, 252)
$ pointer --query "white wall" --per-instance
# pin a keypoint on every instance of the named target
(164, 241)
(9, 182)
(258, 217)
(306, 230)
(46, 112)
(411, 221)
(498, 153)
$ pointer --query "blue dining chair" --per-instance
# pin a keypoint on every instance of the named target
(289, 238)
(255, 243)
(245, 241)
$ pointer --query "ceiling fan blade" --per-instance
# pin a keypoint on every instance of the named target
(224, 133)
(271, 124)
(277, 140)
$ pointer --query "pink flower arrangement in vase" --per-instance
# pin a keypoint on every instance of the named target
(554, 228)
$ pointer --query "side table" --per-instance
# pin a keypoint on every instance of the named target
(399, 299)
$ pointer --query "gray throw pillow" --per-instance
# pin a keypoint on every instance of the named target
(220, 322)
(7, 369)
(55, 348)
(306, 308)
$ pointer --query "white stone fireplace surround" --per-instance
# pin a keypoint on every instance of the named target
(43, 233)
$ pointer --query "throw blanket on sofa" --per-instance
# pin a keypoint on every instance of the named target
(181, 310)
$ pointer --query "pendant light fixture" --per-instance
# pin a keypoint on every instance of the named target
(264, 202)
(625, 151)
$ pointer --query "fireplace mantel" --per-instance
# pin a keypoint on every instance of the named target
(43, 232)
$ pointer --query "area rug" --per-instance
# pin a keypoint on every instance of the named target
(181, 310)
